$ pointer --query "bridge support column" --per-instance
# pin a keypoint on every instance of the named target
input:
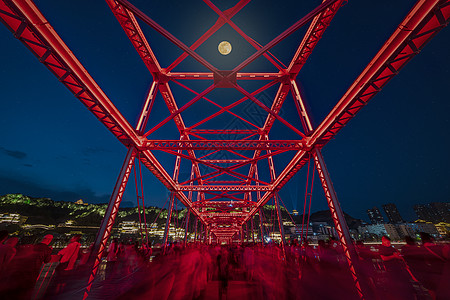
(261, 224)
(169, 216)
(280, 225)
(340, 223)
(187, 227)
(110, 216)
(196, 225)
(253, 232)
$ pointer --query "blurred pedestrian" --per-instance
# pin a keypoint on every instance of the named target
(111, 258)
(397, 279)
(7, 253)
(69, 254)
(3, 236)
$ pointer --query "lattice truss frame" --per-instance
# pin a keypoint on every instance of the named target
(225, 184)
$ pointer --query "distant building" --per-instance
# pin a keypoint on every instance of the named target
(375, 215)
(434, 212)
(80, 202)
(443, 228)
(427, 227)
(129, 227)
(10, 218)
(380, 230)
(297, 231)
(295, 212)
(405, 230)
(423, 211)
(393, 214)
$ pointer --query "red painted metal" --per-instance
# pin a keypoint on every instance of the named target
(220, 22)
(252, 42)
(167, 35)
(110, 216)
(226, 165)
(223, 145)
(338, 218)
(424, 21)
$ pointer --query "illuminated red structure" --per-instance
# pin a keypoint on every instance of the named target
(232, 170)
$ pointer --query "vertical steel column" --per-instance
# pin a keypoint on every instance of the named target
(116, 197)
(332, 200)
(258, 197)
(176, 172)
(280, 221)
(110, 216)
(280, 224)
(261, 224)
(247, 233)
(187, 227)
(209, 235)
(253, 232)
(338, 217)
(169, 216)
(196, 225)
(188, 211)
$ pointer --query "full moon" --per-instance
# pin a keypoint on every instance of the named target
(224, 48)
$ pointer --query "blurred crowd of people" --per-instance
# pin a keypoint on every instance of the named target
(133, 270)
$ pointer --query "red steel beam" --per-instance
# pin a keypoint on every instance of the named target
(228, 170)
(240, 188)
(219, 23)
(241, 33)
(223, 131)
(177, 112)
(268, 110)
(29, 26)
(223, 145)
(222, 203)
(210, 76)
(312, 37)
(421, 24)
(215, 104)
(168, 36)
(234, 104)
(137, 38)
(282, 36)
(132, 29)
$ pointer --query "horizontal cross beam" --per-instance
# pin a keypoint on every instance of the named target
(210, 76)
(231, 188)
(224, 145)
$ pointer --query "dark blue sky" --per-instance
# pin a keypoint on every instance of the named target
(395, 150)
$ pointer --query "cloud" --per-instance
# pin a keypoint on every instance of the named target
(13, 153)
(23, 186)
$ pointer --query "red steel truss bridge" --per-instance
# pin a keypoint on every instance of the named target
(235, 164)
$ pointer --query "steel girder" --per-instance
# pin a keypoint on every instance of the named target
(29, 26)
(122, 11)
(422, 23)
(24, 19)
(223, 145)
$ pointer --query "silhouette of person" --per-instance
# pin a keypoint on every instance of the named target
(223, 272)
(7, 253)
(69, 254)
(397, 277)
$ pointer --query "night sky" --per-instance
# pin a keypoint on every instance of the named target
(395, 150)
